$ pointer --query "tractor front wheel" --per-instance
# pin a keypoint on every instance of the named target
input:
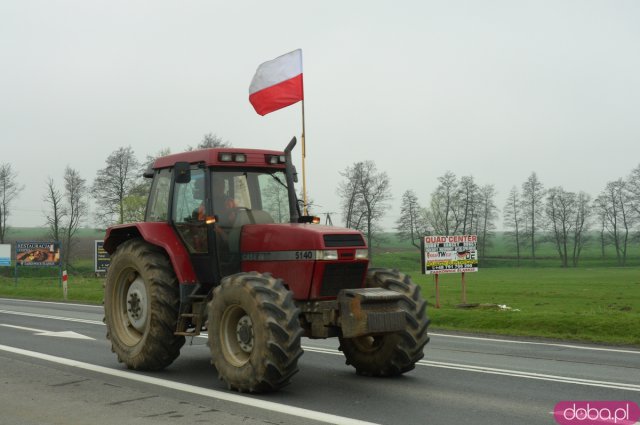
(254, 332)
(394, 353)
(141, 303)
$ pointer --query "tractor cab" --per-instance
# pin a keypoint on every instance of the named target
(209, 209)
(208, 196)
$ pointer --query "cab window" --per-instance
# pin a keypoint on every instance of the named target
(158, 206)
(189, 212)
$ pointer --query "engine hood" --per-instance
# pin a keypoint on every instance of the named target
(298, 237)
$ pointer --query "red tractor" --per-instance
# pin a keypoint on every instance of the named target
(225, 248)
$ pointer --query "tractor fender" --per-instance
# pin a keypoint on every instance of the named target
(160, 234)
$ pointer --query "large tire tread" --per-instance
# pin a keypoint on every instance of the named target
(400, 351)
(274, 359)
(158, 347)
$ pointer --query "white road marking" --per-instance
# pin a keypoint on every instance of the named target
(219, 395)
(505, 372)
(549, 344)
(46, 316)
(529, 375)
(40, 332)
(67, 304)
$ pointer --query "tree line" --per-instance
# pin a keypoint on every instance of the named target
(531, 215)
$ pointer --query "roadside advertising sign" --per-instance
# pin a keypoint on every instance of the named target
(101, 259)
(449, 254)
(38, 253)
(5, 255)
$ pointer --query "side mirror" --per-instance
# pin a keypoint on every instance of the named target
(182, 172)
(149, 173)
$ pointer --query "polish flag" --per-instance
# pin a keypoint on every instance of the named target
(277, 83)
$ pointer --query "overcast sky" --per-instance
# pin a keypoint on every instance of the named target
(492, 89)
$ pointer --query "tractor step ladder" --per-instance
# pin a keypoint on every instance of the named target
(190, 324)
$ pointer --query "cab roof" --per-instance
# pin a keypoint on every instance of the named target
(212, 157)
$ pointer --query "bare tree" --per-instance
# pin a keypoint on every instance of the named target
(443, 214)
(532, 208)
(487, 214)
(348, 192)
(75, 192)
(561, 211)
(633, 187)
(601, 214)
(410, 225)
(513, 220)
(581, 226)
(468, 198)
(56, 211)
(113, 184)
(9, 190)
(364, 193)
(615, 205)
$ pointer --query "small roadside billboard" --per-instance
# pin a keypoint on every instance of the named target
(5, 255)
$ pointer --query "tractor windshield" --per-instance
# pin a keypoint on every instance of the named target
(263, 193)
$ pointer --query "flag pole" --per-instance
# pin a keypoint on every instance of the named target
(304, 175)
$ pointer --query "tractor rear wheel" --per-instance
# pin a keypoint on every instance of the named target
(394, 353)
(141, 302)
(254, 332)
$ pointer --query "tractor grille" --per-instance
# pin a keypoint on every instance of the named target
(331, 241)
(339, 276)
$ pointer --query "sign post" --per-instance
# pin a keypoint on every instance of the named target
(5, 255)
(65, 287)
(449, 254)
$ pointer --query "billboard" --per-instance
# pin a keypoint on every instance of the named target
(449, 254)
(5, 255)
(38, 253)
(101, 259)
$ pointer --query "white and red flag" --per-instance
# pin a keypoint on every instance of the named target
(277, 83)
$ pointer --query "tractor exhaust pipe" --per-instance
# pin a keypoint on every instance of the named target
(292, 177)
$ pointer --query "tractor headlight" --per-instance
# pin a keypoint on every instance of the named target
(362, 254)
(327, 255)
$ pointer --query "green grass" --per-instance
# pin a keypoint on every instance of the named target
(44, 283)
(600, 304)
(80, 289)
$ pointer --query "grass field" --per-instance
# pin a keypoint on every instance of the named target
(594, 302)
(600, 304)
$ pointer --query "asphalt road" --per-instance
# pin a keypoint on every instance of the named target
(56, 367)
